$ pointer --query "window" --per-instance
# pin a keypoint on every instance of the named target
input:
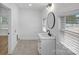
(72, 19)
(3, 20)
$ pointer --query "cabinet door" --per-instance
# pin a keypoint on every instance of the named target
(48, 47)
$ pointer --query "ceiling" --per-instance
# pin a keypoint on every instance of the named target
(35, 6)
(3, 6)
(62, 9)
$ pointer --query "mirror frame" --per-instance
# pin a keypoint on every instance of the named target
(53, 19)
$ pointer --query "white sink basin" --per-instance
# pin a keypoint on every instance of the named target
(46, 36)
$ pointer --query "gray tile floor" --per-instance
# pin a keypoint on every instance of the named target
(62, 50)
(26, 47)
(30, 47)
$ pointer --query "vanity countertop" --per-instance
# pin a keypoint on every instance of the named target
(45, 36)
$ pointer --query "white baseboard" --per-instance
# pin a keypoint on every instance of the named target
(28, 39)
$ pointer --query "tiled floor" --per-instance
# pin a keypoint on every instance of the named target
(26, 47)
(62, 50)
(29, 47)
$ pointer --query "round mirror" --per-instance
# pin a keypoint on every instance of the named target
(50, 20)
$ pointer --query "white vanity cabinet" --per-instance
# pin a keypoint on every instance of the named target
(46, 46)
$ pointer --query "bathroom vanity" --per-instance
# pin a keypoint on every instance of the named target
(46, 44)
(47, 41)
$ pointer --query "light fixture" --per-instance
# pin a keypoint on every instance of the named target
(53, 6)
(29, 4)
(50, 7)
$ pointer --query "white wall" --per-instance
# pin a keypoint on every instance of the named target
(13, 28)
(30, 24)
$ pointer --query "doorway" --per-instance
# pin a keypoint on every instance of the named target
(5, 14)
